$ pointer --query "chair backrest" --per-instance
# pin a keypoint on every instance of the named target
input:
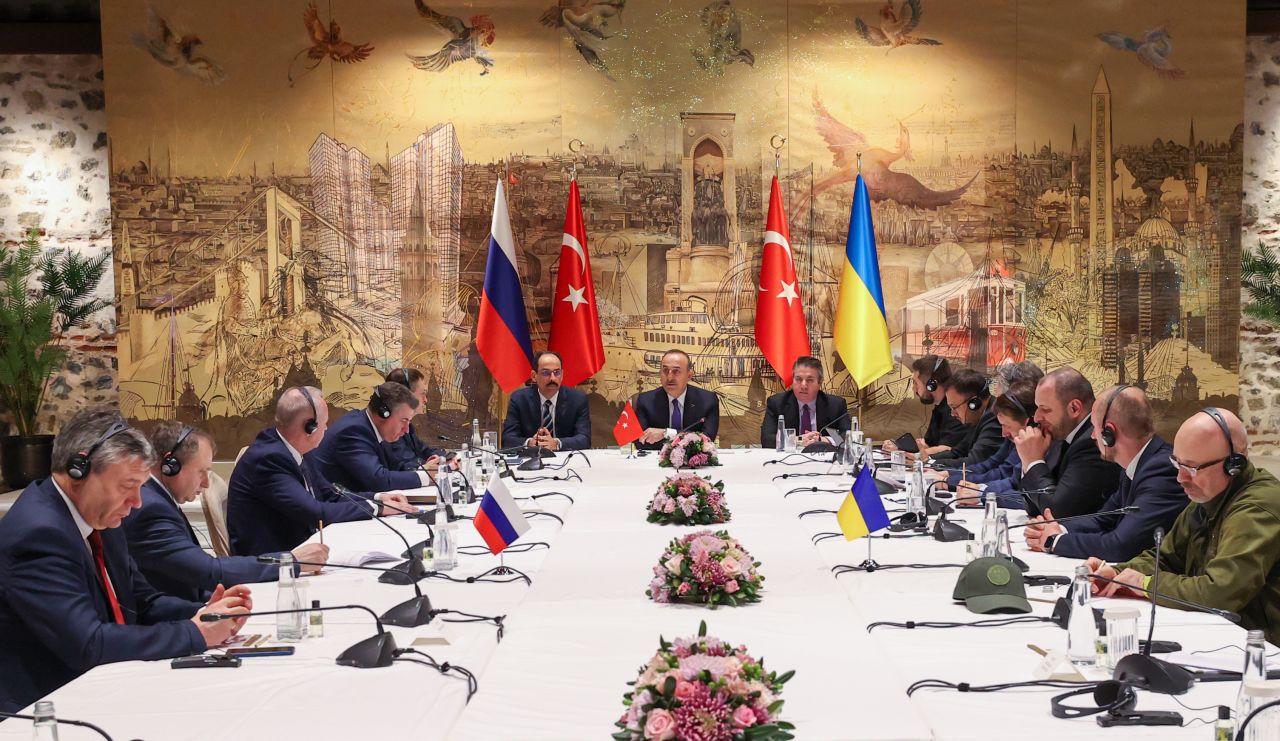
(214, 503)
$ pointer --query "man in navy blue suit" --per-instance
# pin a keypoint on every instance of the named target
(804, 407)
(546, 415)
(162, 541)
(276, 500)
(1122, 417)
(410, 453)
(71, 598)
(353, 453)
(676, 406)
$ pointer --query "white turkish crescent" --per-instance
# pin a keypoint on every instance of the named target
(572, 243)
(769, 238)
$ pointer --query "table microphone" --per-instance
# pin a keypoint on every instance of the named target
(408, 614)
(65, 721)
(499, 456)
(411, 570)
(945, 530)
(373, 652)
(1117, 511)
(822, 446)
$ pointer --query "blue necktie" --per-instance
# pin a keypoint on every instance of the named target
(677, 419)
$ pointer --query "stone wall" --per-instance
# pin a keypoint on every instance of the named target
(53, 177)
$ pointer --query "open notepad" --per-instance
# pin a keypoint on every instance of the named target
(356, 557)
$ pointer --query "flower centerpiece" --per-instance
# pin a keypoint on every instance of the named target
(688, 450)
(702, 688)
(688, 499)
(707, 568)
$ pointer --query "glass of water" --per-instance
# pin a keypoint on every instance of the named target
(899, 463)
(791, 440)
(1122, 632)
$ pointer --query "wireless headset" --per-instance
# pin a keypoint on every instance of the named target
(932, 384)
(80, 464)
(380, 407)
(1108, 434)
(310, 425)
(169, 464)
(1235, 462)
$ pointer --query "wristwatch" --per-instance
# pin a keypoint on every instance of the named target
(1049, 543)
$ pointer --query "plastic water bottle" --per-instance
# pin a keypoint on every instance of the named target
(1082, 631)
(290, 626)
(990, 531)
(44, 722)
(780, 443)
(475, 434)
(446, 544)
(917, 484)
(1255, 667)
(853, 424)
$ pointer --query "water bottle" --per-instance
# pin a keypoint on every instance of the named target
(446, 545)
(1255, 667)
(990, 531)
(471, 473)
(475, 434)
(780, 444)
(46, 727)
(291, 626)
(1082, 631)
(917, 480)
(853, 424)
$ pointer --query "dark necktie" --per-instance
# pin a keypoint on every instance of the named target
(806, 423)
(99, 560)
(548, 422)
(677, 418)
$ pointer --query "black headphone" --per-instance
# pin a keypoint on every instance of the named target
(1109, 696)
(932, 384)
(977, 399)
(169, 464)
(80, 464)
(1235, 463)
(310, 425)
(1108, 433)
(379, 406)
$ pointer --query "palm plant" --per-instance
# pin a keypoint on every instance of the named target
(1260, 275)
(41, 296)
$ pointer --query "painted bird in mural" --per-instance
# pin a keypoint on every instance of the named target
(896, 25)
(1153, 50)
(883, 184)
(724, 37)
(177, 52)
(582, 20)
(326, 42)
(468, 42)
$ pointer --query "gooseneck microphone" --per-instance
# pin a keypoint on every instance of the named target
(499, 455)
(1117, 511)
(1155, 587)
(408, 614)
(403, 574)
(64, 721)
(1224, 614)
(373, 652)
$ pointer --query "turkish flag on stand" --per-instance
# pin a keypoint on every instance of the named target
(780, 329)
(628, 429)
(575, 323)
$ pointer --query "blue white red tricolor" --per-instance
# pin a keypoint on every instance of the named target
(502, 332)
(499, 520)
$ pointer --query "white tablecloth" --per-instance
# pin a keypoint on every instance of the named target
(580, 633)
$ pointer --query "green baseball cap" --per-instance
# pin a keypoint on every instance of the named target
(990, 585)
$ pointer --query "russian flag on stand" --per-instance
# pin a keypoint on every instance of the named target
(499, 520)
(502, 332)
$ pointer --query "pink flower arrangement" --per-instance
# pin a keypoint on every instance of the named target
(688, 499)
(703, 689)
(706, 568)
(688, 450)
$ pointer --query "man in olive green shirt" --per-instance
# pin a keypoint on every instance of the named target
(1224, 549)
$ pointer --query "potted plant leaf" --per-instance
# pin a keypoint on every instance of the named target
(42, 294)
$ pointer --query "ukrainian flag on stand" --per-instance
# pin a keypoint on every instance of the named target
(862, 512)
(861, 332)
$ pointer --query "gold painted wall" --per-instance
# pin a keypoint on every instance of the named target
(304, 196)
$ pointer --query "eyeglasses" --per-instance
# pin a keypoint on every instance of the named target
(1193, 470)
(551, 373)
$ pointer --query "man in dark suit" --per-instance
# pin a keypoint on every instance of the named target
(930, 376)
(275, 500)
(1061, 467)
(71, 598)
(162, 541)
(352, 453)
(969, 397)
(805, 407)
(676, 406)
(410, 453)
(1125, 433)
(546, 415)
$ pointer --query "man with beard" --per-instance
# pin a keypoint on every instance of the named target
(547, 415)
(930, 376)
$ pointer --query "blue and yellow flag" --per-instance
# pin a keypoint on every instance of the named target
(861, 332)
(862, 512)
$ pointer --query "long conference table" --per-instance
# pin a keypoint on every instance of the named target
(580, 632)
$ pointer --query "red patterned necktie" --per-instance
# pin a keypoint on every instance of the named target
(95, 545)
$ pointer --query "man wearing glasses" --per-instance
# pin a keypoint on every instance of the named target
(547, 415)
(1224, 548)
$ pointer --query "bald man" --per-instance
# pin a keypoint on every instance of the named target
(1224, 549)
(1124, 431)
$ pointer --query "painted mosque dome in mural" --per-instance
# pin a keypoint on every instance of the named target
(1158, 230)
